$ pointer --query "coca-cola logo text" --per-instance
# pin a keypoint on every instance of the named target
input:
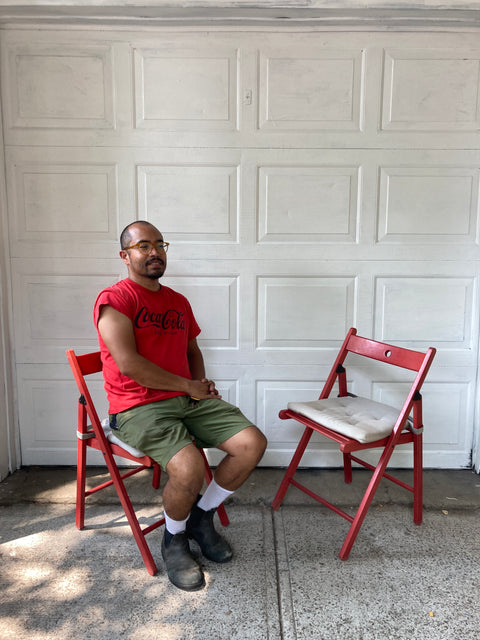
(170, 319)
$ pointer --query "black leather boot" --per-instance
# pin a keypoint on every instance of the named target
(200, 528)
(182, 569)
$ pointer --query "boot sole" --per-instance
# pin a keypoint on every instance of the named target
(184, 588)
(229, 559)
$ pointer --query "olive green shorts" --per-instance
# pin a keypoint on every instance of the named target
(161, 429)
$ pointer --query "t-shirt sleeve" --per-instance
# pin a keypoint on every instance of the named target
(113, 299)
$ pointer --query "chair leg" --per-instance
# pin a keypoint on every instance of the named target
(347, 468)
(365, 503)
(292, 467)
(157, 473)
(131, 516)
(81, 479)
(417, 479)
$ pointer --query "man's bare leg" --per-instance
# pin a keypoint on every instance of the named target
(185, 478)
(185, 471)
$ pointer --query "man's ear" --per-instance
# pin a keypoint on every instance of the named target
(124, 256)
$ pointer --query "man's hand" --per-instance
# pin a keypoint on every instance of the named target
(211, 388)
(202, 389)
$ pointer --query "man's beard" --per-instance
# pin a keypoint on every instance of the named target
(158, 271)
(154, 276)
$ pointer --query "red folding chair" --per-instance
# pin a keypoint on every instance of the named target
(93, 435)
(359, 423)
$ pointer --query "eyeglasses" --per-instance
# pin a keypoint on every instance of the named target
(145, 247)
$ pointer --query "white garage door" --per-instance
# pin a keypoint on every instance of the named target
(307, 181)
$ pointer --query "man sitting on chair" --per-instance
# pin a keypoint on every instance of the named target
(159, 399)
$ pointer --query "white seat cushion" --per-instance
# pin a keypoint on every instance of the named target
(111, 437)
(359, 418)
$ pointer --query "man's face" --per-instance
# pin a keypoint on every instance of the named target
(151, 265)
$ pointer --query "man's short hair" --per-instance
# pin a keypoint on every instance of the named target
(125, 236)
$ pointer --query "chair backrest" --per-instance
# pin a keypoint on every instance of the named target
(87, 363)
(81, 366)
(398, 356)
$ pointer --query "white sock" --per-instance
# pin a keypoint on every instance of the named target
(174, 526)
(213, 496)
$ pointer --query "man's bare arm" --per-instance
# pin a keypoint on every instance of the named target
(117, 333)
(195, 360)
(197, 366)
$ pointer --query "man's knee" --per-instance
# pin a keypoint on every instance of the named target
(187, 467)
(258, 439)
(249, 442)
(261, 442)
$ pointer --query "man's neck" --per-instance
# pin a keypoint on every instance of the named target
(147, 283)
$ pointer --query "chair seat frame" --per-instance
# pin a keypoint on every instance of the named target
(90, 434)
(405, 431)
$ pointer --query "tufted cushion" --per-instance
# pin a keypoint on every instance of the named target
(111, 437)
(359, 418)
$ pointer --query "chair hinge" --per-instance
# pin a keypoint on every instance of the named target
(340, 369)
(85, 436)
(415, 431)
(82, 400)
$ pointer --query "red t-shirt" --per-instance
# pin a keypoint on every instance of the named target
(163, 323)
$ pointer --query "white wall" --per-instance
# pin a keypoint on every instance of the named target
(308, 181)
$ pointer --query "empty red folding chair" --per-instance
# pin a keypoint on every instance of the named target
(357, 424)
(93, 435)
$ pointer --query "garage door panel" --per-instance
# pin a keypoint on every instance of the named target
(60, 86)
(314, 88)
(428, 204)
(199, 87)
(292, 204)
(63, 202)
(415, 310)
(435, 90)
(304, 312)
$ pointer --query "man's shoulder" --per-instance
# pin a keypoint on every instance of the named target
(120, 286)
(117, 291)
